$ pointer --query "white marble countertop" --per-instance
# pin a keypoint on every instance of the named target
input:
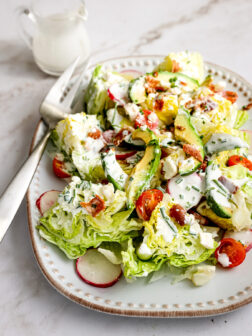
(220, 30)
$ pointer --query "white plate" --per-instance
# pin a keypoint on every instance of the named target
(229, 290)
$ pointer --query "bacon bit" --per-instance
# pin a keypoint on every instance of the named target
(189, 104)
(208, 105)
(180, 128)
(203, 165)
(247, 107)
(164, 154)
(159, 103)
(193, 151)
(105, 181)
(175, 66)
(95, 206)
(95, 135)
(230, 95)
(178, 213)
(155, 74)
(213, 87)
(183, 83)
(121, 135)
(153, 85)
(171, 129)
(231, 187)
(202, 220)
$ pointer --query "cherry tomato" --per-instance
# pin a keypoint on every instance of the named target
(147, 202)
(237, 159)
(230, 95)
(59, 168)
(233, 249)
(148, 118)
(95, 206)
(95, 134)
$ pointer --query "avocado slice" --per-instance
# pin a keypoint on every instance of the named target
(172, 77)
(216, 194)
(189, 166)
(185, 132)
(145, 169)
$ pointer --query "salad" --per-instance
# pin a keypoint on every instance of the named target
(159, 177)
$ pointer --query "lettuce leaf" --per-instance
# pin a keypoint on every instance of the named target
(134, 267)
(241, 118)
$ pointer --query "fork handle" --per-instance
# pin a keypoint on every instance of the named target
(13, 195)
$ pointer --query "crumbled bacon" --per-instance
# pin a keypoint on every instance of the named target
(175, 66)
(95, 206)
(153, 85)
(231, 187)
(95, 134)
(159, 103)
(193, 151)
(207, 105)
(203, 165)
(180, 128)
(202, 220)
(230, 95)
(178, 213)
(121, 135)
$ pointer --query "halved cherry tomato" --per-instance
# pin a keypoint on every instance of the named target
(233, 249)
(95, 134)
(95, 206)
(148, 118)
(238, 159)
(59, 168)
(230, 95)
(147, 202)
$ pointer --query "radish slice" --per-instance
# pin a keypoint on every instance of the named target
(245, 237)
(47, 200)
(97, 270)
(118, 92)
(122, 154)
(130, 74)
(186, 190)
(108, 136)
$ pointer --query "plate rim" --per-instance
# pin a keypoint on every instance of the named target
(118, 311)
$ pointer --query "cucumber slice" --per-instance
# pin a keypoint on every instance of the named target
(220, 142)
(216, 194)
(113, 170)
(137, 91)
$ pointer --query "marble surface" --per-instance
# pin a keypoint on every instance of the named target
(220, 30)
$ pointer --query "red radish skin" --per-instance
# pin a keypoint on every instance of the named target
(245, 237)
(131, 74)
(124, 155)
(47, 200)
(94, 269)
(117, 94)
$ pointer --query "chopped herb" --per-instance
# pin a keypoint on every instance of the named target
(188, 188)
(195, 188)
(181, 196)
(179, 180)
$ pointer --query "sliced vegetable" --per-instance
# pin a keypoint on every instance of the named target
(238, 159)
(108, 136)
(47, 200)
(112, 169)
(59, 168)
(130, 74)
(137, 90)
(147, 202)
(230, 253)
(96, 270)
(118, 92)
(122, 153)
(186, 190)
(222, 142)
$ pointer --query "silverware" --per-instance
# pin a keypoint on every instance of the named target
(55, 107)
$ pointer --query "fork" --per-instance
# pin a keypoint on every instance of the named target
(55, 107)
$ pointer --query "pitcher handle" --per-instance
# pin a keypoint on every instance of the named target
(20, 12)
